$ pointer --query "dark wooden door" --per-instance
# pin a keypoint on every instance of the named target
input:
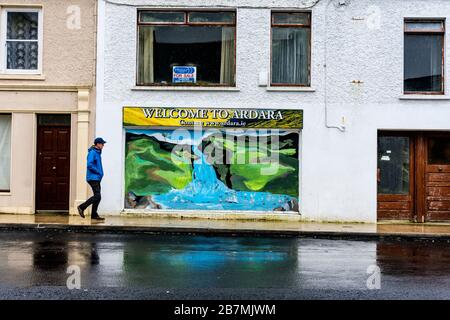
(395, 176)
(437, 177)
(53, 167)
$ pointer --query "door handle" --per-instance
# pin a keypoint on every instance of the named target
(440, 169)
(54, 168)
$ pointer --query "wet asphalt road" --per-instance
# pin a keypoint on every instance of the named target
(33, 265)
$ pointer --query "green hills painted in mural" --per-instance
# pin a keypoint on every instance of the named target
(151, 169)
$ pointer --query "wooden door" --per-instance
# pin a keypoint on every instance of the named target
(53, 167)
(437, 177)
(395, 176)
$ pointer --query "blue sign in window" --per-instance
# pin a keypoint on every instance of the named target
(184, 74)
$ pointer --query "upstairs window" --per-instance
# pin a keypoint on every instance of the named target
(291, 49)
(186, 48)
(424, 57)
(21, 34)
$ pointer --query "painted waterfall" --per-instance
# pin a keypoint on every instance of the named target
(253, 170)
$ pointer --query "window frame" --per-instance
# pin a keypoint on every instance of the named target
(291, 25)
(8, 191)
(3, 40)
(425, 32)
(185, 23)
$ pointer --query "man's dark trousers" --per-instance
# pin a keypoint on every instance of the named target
(95, 199)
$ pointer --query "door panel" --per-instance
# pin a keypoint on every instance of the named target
(436, 193)
(441, 179)
(63, 138)
(395, 179)
(438, 205)
(437, 181)
(394, 205)
(53, 167)
(62, 190)
(47, 140)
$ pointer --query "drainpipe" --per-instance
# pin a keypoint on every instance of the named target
(340, 3)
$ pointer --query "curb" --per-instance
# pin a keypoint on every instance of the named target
(222, 232)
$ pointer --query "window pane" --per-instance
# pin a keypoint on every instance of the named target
(439, 151)
(424, 26)
(290, 55)
(5, 151)
(22, 55)
(393, 165)
(54, 119)
(162, 17)
(291, 18)
(210, 49)
(211, 17)
(423, 62)
(22, 26)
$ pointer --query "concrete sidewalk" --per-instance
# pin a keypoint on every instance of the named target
(127, 224)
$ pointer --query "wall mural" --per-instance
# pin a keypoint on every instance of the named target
(211, 169)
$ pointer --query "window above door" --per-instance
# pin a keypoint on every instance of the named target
(424, 56)
(21, 40)
(291, 49)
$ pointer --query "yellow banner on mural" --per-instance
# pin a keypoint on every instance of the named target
(210, 117)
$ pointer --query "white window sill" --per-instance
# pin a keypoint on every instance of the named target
(186, 88)
(6, 193)
(7, 76)
(424, 97)
(291, 89)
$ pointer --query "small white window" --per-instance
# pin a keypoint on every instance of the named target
(21, 37)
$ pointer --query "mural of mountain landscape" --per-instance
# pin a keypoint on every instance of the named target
(212, 170)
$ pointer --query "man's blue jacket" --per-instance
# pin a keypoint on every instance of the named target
(94, 165)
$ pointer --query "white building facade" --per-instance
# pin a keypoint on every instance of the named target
(368, 78)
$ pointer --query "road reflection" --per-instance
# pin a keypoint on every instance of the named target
(42, 258)
(414, 259)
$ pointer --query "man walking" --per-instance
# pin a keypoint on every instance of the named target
(94, 176)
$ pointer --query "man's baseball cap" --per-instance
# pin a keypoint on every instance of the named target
(99, 140)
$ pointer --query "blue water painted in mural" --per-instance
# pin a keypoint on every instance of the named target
(207, 192)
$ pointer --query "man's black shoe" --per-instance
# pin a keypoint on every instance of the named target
(98, 218)
(80, 212)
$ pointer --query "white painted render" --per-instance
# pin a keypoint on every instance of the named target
(357, 75)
